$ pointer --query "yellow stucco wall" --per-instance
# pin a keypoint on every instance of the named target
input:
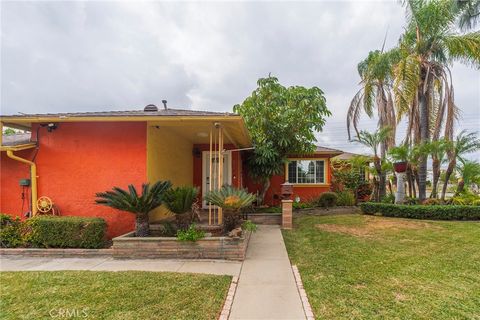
(169, 157)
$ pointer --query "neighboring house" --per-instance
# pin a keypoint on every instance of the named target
(76, 155)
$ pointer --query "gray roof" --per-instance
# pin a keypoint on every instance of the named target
(349, 155)
(328, 150)
(129, 113)
(16, 139)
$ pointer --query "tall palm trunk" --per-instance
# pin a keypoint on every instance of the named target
(263, 192)
(448, 174)
(436, 176)
(424, 137)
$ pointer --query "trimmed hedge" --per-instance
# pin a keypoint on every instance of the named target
(10, 232)
(437, 212)
(65, 232)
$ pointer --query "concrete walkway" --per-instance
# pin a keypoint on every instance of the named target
(9, 263)
(266, 287)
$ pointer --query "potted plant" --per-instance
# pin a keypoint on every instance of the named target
(180, 201)
(399, 156)
(231, 200)
(131, 201)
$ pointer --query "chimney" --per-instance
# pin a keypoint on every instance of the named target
(164, 104)
(150, 108)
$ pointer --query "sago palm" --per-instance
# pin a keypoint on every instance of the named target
(422, 78)
(139, 204)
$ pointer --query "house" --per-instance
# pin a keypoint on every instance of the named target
(68, 157)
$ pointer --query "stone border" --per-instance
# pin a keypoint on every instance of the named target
(307, 308)
(227, 306)
(56, 252)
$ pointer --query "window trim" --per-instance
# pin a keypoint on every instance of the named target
(325, 175)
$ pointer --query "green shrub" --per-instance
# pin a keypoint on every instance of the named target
(249, 226)
(389, 198)
(345, 198)
(411, 201)
(327, 199)
(439, 212)
(65, 232)
(10, 232)
(180, 199)
(190, 234)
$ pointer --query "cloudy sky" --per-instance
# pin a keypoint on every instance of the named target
(94, 56)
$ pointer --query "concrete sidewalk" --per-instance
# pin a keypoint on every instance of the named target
(9, 263)
(266, 287)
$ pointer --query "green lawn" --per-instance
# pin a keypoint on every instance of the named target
(111, 295)
(363, 267)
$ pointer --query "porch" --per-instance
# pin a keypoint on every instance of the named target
(200, 152)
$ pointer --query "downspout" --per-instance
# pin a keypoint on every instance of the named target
(33, 177)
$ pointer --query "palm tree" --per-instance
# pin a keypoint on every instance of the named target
(131, 201)
(465, 143)
(373, 141)
(422, 78)
(437, 149)
(469, 173)
(469, 13)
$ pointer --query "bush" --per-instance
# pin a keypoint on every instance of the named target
(345, 198)
(327, 199)
(191, 234)
(249, 226)
(438, 212)
(432, 202)
(65, 232)
(10, 232)
(389, 198)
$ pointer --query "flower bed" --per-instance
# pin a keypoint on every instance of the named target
(128, 246)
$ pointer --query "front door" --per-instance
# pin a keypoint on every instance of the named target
(227, 171)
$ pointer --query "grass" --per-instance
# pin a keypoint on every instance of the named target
(111, 295)
(363, 267)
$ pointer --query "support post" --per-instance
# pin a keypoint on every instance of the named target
(400, 194)
(287, 214)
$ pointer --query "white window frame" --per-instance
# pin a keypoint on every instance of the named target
(325, 163)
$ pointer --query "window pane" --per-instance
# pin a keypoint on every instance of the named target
(306, 171)
(320, 171)
(292, 172)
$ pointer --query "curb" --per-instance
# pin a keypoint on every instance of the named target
(227, 306)
(307, 308)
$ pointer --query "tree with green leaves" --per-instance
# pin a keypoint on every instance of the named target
(422, 77)
(281, 121)
(464, 144)
(139, 204)
(9, 132)
(469, 172)
(373, 141)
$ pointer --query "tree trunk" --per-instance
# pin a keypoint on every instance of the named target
(436, 176)
(415, 182)
(382, 181)
(424, 137)
(263, 192)
(448, 173)
(409, 181)
(142, 226)
(461, 186)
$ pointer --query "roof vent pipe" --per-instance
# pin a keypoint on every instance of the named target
(164, 104)
(150, 108)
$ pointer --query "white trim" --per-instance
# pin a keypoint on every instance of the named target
(315, 171)
(205, 158)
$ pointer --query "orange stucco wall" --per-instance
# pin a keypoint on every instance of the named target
(237, 175)
(305, 193)
(76, 161)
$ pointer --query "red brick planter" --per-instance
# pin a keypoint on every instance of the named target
(129, 247)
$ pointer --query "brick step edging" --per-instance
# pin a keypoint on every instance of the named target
(55, 252)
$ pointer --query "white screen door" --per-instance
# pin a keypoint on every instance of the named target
(206, 179)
